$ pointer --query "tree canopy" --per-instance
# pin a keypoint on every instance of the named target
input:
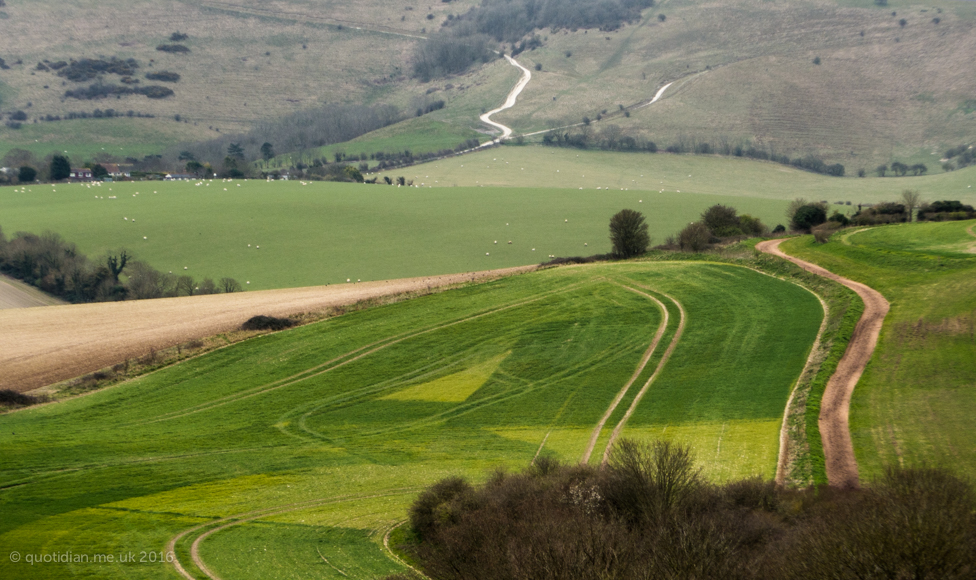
(628, 233)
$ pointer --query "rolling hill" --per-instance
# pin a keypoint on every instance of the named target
(270, 456)
(891, 82)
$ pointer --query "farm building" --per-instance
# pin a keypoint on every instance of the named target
(116, 171)
(81, 173)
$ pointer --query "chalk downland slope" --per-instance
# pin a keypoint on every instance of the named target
(743, 69)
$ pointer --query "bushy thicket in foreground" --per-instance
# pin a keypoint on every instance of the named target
(57, 267)
(648, 514)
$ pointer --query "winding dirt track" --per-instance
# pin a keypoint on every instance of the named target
(41, 346)
(835, 406)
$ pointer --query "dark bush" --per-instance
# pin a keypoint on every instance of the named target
(12, 398)
(779, 229)
(262, 322)
(808, 216)
(175, 48)
(26, 174)
(178, 37)
(86, 69)
(722, 221)
(840, 218)
(628, 233)
(752, 225)
(101, 91)
(694, 237)
(163, 75)
(945, 211)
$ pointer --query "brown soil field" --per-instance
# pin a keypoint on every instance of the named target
(16, 294)
(42, 346)
(835, 432)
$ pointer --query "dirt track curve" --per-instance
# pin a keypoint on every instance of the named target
(41, 346)
(835, 406)
(508, 104)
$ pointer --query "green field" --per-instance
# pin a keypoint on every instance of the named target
(418, 135)
(915, 403)
(83, 139)
(314, 441)
(537, 166)
(326, 233)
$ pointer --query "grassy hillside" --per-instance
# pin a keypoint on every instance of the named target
(315, 440)
(743, 70)
(326, 233)
(915, 401)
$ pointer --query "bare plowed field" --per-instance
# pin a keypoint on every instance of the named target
(41, 346)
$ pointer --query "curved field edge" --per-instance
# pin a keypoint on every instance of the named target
(42, 346)
(913, 404)
(805, 458)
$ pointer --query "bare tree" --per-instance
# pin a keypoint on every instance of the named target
(911, 198)
(229, 285)
(117, 264)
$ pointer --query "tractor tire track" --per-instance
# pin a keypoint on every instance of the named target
(374, 348)
(236, 519)
(841, 464)
(660, 366)
(640, 368)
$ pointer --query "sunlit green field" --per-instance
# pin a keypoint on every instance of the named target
(292, 454)
(915, 403)
(326, 233)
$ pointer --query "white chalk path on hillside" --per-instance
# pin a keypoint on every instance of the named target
(657, 96)
(509, 103)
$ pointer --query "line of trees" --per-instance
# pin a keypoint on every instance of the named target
(100, 90)
(57, 267)
(649, 513)
(296, 132)
(899, 169)
(613, 138)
